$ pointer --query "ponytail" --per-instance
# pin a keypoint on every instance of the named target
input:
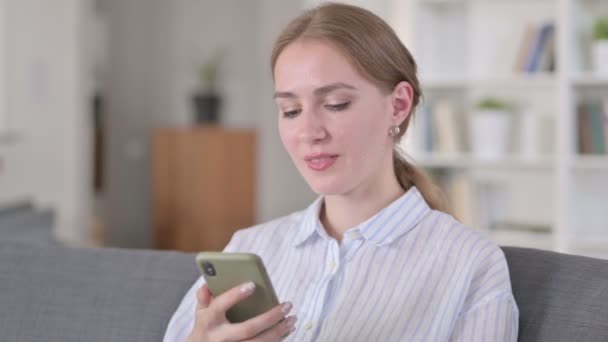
(408, 175)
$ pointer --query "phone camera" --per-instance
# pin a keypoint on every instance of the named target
(209, 269)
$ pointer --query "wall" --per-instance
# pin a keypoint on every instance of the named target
(154, 47)
(135, 85)
(282, 189)
(46, 105)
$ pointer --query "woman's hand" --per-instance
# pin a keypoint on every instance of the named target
(210, 323)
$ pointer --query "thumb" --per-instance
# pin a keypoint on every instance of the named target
(203, 297)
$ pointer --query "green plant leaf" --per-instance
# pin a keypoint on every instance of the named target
(600, 29)
(492, 103)
(209, 72)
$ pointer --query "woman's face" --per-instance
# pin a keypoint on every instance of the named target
(333, 122)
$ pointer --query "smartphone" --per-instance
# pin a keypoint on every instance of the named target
(223, 271)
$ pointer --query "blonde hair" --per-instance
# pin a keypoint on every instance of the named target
(378, 54)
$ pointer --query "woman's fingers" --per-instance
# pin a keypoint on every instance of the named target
(264, 322)
(211, 317)
(279, 331)
(203, 297)
(228, 299)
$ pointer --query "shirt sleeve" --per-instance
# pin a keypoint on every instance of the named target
(182, 322)
(496, 319)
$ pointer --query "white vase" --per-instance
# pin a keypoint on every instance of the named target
(600, 57)
(490, 131)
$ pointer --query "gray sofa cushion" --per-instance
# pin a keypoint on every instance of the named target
(32, 226)
(560, 297)
(16, 207)
(71, 294)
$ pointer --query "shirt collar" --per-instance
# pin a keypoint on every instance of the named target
(384, 227)
(310, 223)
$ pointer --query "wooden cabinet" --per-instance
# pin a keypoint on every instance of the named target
(203, 186)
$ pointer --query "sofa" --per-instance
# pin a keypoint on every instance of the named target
(53, 293)
(22, 221)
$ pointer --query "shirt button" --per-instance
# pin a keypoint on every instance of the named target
(308, 326)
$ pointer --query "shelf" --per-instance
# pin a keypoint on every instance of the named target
(467, 161)
(536, 80)
(442, 2)
(463, 2)
(522, 239)
(590, 162)
(443, 162)
(468, 50)
(589, 79)
(516, 162)
(539, 80)
(591, 247)
(433, 82)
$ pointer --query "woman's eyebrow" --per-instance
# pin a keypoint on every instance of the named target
(331, 87)
(318, 92)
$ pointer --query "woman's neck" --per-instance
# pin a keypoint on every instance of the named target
(342, 212)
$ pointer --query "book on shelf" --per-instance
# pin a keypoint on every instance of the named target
(427, 125)
(444, 120)
(592, 122)
(443, 128)
(459, 193)
(536, 51)
(456, 186)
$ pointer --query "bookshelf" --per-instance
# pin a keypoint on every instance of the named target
(588, 79)
(468, 49)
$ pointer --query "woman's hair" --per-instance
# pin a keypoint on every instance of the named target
(378, 54)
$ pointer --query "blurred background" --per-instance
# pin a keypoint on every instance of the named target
(150, 123)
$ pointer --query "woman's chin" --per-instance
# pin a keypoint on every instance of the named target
(327, 188)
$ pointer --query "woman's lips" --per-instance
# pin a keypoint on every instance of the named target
(320, 162)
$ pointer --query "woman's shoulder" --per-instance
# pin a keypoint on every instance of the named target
(471, 248)
(251, 239)
(473, 252)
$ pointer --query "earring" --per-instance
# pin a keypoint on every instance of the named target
(394, 131)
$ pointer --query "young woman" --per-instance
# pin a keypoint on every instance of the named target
(375, 257)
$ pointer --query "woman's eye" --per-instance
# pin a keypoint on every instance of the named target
(291, 113)
(338, 107)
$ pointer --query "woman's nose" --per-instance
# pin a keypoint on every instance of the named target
(312, 128)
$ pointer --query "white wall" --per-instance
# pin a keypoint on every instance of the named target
(281, 188)
(3, 118)
(136, 87)
(246, 30)
(154, 47)
(46, 96)
(200, 30)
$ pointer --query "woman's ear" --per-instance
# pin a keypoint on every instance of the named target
(402, 99)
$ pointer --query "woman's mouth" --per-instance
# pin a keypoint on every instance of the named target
(320, 161)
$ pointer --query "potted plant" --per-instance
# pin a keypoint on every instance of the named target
(490, 129)
(207, 100)
(600, 46)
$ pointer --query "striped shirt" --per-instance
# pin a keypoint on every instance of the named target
(409, 273)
